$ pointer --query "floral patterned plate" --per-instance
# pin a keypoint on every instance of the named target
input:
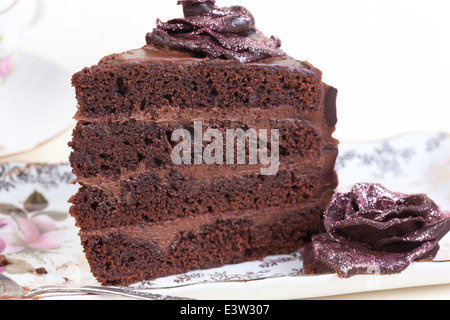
(41, 246)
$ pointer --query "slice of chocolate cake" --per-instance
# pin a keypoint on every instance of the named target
(208, 146)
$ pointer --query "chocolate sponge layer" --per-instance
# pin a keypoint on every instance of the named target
(109, 149)
(154, 197)
(113, 88)
(124, 256)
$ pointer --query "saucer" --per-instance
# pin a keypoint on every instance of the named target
(36, 104)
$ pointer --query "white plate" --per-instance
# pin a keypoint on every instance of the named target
(36, 104)
(415, 163)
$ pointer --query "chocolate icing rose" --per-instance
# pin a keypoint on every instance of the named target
(220, 33)
(374, 230)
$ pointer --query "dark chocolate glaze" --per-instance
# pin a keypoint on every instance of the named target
(330, 113)
(219, 33)
(374, 230)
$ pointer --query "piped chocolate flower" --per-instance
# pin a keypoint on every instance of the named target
(219, 33)
(372, 229)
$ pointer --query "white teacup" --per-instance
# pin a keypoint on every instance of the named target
(13, 35)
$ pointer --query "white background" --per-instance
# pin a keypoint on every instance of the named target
(390, 59)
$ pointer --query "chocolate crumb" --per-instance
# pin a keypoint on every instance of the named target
(3, 261)
(40, 271)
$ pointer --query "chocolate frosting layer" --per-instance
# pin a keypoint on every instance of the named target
(220, 33)
(372, 229)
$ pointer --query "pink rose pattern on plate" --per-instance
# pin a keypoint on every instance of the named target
(5, 67)
(5, 64)
(30, 227)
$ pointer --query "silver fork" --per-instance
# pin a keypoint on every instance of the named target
(12, 290)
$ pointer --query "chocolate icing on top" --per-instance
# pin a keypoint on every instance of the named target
(220, 33)
(372, 229)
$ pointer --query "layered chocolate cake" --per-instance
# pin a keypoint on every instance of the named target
(153, 202)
